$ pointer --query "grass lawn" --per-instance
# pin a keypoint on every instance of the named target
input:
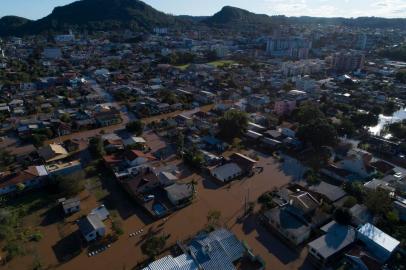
(95, 186)
(183, 67)
(216, 64)
(221, 63)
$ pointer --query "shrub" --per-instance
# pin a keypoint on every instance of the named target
(36, 236)
(350, 202)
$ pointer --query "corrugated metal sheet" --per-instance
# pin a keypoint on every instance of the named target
(183, 262)
(217, 250)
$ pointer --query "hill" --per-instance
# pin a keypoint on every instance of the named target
(99, 15)
(9, 24)
(136, 15)
(235, 17)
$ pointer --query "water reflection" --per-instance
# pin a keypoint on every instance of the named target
(384, 120)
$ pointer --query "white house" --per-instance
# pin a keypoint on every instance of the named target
(91, 227)
(226, 172)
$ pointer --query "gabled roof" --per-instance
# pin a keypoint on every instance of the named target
(90, 223)
(180, 191)
(182, 262)
(331, 192)
(52, 152)
(217, 250)
(337, 238)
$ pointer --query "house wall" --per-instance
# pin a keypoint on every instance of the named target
(380, 253)
(91, 236)
(354, 165)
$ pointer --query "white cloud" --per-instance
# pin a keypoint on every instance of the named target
(337, 8)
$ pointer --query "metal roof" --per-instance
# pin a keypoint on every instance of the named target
(379, 237)
(182, 262)
(217, 250)
(337, 237)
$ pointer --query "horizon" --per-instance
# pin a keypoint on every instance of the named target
(290, 8)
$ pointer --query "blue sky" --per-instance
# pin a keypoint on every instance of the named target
(35, 9)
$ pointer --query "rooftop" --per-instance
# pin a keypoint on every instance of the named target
(379, 237)
(337, 237)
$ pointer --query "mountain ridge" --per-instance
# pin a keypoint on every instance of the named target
(137, 15)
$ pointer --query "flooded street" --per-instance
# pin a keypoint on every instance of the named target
(398, 116)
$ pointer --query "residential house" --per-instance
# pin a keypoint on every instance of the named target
(328, 192)
(135, 158)
(179, 194)
(70, 206)
(32, 177)
(101, 212)
(376, 184)
(52, 152)
(337, 239)
(108, 117)
(357, 161)
(65, 168)
(182, 262)
(227, 172)
(219, 249)
(400, 207)
(245, 163)
(91, 227)
(360, 214)
(380, 244)
(288, 223)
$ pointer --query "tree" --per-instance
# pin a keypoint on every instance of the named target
(342, 216)
(354, 188)
(308, 113)
(318, 134)
(346, 127)
(70, 185)
(213, 218)
(154, 246)
(233, 124)
(362, 119)
(65, 118)
(96, 147)
(194, 158)
(350, 202)
(398, 129)
(136, 127)
(266, 200)
(401, 76)
(180, 143)
(378, 201)
(392, 217)
(390, 107)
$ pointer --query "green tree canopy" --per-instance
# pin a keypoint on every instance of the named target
(378, 201)
(308, 113)
(136, 127)
(318, 134)
(154, 246)
(233, 124)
